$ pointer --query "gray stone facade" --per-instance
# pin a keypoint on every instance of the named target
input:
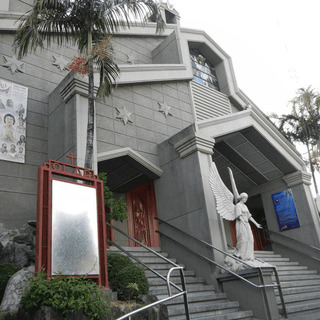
(160, 121)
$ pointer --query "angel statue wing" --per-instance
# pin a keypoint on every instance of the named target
(223, 196)
(234, 187)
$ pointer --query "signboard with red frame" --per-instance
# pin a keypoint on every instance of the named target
(64, 245)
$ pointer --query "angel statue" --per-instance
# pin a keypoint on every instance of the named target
(228, 210)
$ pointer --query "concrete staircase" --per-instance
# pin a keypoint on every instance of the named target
(204, 302)
(300, 286)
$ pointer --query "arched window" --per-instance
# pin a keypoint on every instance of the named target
(203, 70)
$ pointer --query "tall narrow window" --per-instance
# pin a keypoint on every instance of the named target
(203, 70)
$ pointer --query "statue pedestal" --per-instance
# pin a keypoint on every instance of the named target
(263, 304)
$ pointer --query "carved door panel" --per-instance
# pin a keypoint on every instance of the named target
(142, 210)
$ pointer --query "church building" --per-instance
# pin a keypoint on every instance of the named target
(176, 109)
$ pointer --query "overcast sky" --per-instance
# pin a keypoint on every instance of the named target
(274, 44)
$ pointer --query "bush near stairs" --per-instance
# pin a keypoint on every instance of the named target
(204, 302)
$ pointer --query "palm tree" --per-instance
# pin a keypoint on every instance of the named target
(88, 24)
(303, 124)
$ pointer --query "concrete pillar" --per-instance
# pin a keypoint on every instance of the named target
(262, 301)
(185, 200)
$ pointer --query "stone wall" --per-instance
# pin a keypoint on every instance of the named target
(149, 125)
(18, 182)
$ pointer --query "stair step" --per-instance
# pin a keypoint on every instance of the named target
(304, 306)
(153, 260)
(295, 277)
(311, 314)
(266, 255)
(163, 290)
(292, 298)
(275, 259)
(196, 297)
(131, 249)
(283, 263)
(297, 290)
(296, 272)
(163, 267)
(299, 283)
(233, 315)
(138, 253)
(199, 307)
(164, 273)
(176, 280)
(290, 267)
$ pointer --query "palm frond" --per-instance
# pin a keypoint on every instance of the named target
(125, 13)
(48, 20)
(108, 69)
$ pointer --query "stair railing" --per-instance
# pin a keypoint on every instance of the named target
(315, 249)
(262, 286)
(182, 291)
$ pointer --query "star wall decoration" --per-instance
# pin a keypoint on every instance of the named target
(124, 115)
(60, 62)
(165, 108)
(131, 59)
(13, 64)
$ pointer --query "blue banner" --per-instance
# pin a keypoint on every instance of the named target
(286, 210)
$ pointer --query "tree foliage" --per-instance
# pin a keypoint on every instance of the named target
(87, 24)
(302, 125)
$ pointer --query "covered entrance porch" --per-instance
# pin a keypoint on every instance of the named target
(131, 176)
(263, 163)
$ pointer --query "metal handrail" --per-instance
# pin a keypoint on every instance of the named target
(183, 291)
(296, 241)
(259, 269)
(132, 313)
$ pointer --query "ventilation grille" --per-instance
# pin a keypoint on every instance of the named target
(209, 103)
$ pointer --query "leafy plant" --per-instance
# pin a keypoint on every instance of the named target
(116, 262)
(126, 278)
(7, 270)
(132, 289)
(302, 125)
(66, 294)
(117, 206)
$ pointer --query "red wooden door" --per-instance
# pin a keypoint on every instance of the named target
(256, 235)
(141, 213)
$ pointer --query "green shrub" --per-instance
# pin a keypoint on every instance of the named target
(117, 262)
(7, 270)
(66, 294)
(126, 277)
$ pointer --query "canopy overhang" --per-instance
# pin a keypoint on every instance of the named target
(126, 169)
(252, 147)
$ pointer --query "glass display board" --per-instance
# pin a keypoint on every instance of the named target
(74, 230)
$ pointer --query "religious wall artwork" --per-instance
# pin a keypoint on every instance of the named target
(203, 71)
(286, 210)
(13, 116)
